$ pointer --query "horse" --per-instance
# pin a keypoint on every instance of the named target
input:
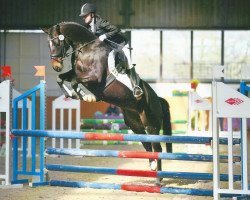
(89, 59)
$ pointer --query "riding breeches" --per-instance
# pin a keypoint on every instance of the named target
(111, 57)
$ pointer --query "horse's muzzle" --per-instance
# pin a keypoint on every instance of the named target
(57, 69)
(57, 65)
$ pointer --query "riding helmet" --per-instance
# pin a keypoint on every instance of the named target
(87, 8)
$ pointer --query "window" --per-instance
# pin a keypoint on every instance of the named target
(176, 55)
(237, 52)
(146, 53)
(206, 53)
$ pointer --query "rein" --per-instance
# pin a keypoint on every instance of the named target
(63, 54)
(130, 48)
(77, 49)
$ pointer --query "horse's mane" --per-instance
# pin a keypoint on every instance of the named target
(74, 24)
(76, 31)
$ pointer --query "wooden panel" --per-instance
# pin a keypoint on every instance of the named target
(183, 14)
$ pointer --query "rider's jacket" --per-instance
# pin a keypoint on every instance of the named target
(101, 26)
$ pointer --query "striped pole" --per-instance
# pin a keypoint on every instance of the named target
(108, 142)
(119, 137)
(140, 173)
(135, 188)
(134, 154)
(138, 188)
(97, 142)
(126, 131)
(107, 131)
(102, 121)
(120, 121)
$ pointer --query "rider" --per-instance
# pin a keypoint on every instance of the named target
(111, 35)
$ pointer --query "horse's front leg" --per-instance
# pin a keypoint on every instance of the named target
(83, 92)
(68, 92)
(64, 88)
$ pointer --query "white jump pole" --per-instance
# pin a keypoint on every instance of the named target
(5, 106)
(61, 103)
(16, 94)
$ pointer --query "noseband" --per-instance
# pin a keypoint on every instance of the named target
(59, 54)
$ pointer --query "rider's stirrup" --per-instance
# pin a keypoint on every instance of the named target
(137, 92)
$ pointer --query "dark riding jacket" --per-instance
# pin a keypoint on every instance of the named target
(114, 34)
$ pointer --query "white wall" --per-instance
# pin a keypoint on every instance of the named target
(24, 51)
(203, 89)
(166, 89)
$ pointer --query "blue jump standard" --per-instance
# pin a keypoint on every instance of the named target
(119, 137)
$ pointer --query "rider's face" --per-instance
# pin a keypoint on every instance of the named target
(88, 18)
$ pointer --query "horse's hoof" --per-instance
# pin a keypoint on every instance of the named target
(89, 98)
(67, 96)
(153, 165)
(92, 98)
(74, 95)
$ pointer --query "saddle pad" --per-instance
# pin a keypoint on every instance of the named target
(124, 79)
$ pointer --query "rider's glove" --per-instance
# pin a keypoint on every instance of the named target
(102, 37)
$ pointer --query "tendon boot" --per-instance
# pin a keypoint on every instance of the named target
(135, 81)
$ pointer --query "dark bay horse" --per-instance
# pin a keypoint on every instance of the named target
(89, 59)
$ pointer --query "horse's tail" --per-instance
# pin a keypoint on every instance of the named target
(167, 129)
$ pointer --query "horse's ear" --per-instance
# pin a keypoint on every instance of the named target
(45, 30)
(58, 29)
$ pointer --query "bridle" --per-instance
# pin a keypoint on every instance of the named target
(59, 54)
(62, 54)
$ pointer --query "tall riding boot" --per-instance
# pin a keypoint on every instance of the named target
(135, 81)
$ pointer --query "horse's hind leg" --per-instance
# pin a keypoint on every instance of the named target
(155, 165)
(151, 120)
(148, 147)
(133, 120)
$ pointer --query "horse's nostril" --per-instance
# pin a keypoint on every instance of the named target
(58, 69)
